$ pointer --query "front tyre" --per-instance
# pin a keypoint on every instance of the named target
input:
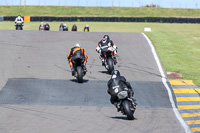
(19, 28)
(127, 109)
(79, 74)
(110, 65)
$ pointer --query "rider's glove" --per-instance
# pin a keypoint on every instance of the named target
(98, 49)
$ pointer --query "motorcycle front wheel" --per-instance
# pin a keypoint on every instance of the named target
(19, 28)
(79, 74)
(126, 106)
(110, 65)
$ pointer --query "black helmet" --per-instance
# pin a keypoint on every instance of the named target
(115, 74)
(106, 37)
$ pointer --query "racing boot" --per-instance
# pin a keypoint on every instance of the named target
(115, 60)
(84, 68)
(117, 105)
(103, 61)
(133, 103)
(73, 71)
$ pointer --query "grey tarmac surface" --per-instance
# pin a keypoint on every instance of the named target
(38, 93)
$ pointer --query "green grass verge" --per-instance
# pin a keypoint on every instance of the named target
(178, 45)
(97, 11)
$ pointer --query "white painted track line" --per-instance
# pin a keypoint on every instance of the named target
(164, 80)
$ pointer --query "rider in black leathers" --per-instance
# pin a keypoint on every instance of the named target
(74, 27)
(46, 26)
(115, 80)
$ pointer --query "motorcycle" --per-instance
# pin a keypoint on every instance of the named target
(126, 105)
(79, 70)
(109, 61)
(46, 27)
(19, 25)
(41, 28)
(65, 28)
(61, 28)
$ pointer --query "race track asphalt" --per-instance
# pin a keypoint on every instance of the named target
(38, 93)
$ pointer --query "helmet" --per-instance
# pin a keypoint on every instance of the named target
(42, 23)
(65, 24)
(115, 74)
(87, 25)
(105, 38)
(77, 45)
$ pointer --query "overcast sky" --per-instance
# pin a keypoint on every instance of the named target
(109, 3)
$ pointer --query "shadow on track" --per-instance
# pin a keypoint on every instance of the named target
(76, 81)
(104, 72)
(122, 118)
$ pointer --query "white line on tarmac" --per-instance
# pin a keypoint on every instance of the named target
(185, 126)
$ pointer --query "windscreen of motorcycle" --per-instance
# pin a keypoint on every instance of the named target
(19, 22)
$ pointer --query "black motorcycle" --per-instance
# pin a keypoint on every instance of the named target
(109, 62)
(126, 105)
(79, 70)
(46, 27)
(19, 25)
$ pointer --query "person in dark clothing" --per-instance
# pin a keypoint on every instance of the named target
(116, 80)
(46, 26)
(86, 28)
(74, 27)
(106, 42)
(61, 27)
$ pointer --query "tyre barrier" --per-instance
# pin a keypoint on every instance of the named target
(111, 19)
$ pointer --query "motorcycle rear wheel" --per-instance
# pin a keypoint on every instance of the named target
(79, 74)
(126, 106)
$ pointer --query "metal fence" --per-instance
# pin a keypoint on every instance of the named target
(106, 3)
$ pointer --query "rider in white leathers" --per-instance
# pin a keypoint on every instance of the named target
(106, 42)
(19, 19)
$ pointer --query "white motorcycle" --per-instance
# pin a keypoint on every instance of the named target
(19, 25)
(108, 55)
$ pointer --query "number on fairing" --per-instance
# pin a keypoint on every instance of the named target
(116, 88)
